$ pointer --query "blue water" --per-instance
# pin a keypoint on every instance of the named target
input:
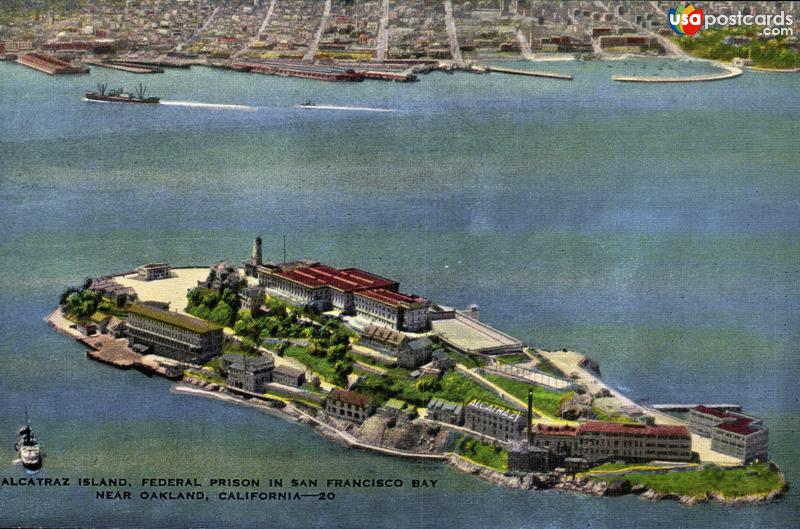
(654, 227)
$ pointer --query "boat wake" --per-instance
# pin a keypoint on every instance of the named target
(212, 106)
(335, 107)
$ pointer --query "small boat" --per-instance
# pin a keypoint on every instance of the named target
(120, 96)
(30, 453)
(308, 103)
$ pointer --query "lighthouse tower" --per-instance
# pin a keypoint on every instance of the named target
(257, 256)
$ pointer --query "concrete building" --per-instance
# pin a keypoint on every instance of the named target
(445, 411)
(249, 374)
(288, 376)
(178, 336)
(153, 271)
(736, 434)
(322, 284)
(561, 441)
(415, 353)
(602, 440)
(494, 421)
(525, 457)
(251, 298)
(348, 405)
(392, 309)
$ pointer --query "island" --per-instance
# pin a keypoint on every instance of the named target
(365, 364)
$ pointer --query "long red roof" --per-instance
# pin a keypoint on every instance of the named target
(711, 411)
(742, 426)
(347, 280)
(393, 299)
(633, 429)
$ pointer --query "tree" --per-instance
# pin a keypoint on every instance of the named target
(342, 368)
(222, 314)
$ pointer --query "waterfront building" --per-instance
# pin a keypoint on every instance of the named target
(602, 440)
(249, 374)
(288, 376)
(396, 408)
(392, 309)
(178, 336)
(153, 271)
(561, 441)
(526, 457)
(445, 411)
(736, 434)
(494, 421)
(348, 405)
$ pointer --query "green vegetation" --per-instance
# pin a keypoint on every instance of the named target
(544, 400)
(469, 361)
(456, 387)
(730, 482)
(205, 376)
(80, 304)
(769, 53)
(601, 415)
(484, 454)
(618, 467)
(518, 358)
(219, 307)
(319, 364)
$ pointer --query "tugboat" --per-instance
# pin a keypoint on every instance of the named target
(121, 96)
(30, 453)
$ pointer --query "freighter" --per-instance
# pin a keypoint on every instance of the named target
(120, 96)
(30, 453)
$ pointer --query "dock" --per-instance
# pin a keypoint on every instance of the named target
(50, 65)
(730, 73)
(127, 67)
(685, 408)
(530, 73)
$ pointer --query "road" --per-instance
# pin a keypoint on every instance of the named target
(524, 45)
(313, 47)
(383, 32)
(205, 25)
(452, 38)
(267, 18)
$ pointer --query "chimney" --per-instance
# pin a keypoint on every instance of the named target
(530, 412)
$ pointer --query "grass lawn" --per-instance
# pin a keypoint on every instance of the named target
(601, 415)
(484, 454)
(518, 358)
(544, 400)
(317, 364)
(456, 387)
(731, 482)
(620, 467)
(469, 361)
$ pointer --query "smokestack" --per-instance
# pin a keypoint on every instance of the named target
(530, 412)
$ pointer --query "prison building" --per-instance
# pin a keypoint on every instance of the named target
(392, 309)
(445, 411)
(605, 440)
(561, 441)
(494, 421)
(178, 336)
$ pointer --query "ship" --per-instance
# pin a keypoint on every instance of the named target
(30, 453)
(121, 96)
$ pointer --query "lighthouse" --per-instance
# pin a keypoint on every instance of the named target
(257, 258)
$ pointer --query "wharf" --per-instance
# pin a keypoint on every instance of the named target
(126, 67)
(730, 73)
(50, 65)
(684, 408)
(530, 73)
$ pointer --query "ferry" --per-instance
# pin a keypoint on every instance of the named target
(30, 453)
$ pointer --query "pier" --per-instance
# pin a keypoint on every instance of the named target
(730, 73)
(127, 67)
(685, 408)
(50, 65)
(529, 73)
